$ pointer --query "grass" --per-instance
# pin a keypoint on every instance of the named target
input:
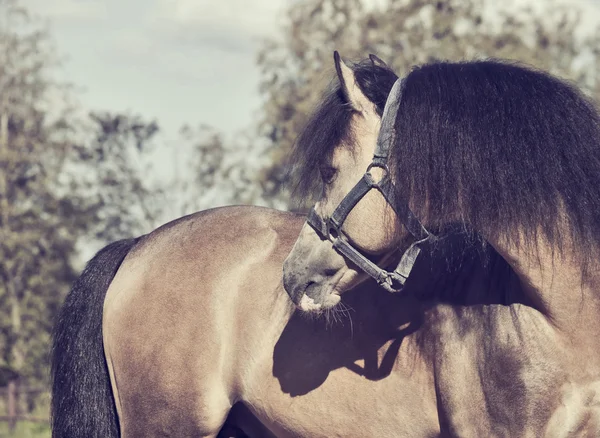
(25, 429)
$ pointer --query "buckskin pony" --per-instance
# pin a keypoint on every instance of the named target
(504, 158)
(188, 331)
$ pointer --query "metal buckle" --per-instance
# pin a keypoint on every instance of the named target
(332, 226)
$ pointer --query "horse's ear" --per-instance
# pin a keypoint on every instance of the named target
(350, 88)
(377, 61)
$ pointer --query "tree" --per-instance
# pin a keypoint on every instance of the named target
(65, 180)
(36, 226)
(115, 181)
(219, 170)
(407, 33)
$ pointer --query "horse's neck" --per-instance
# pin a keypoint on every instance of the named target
(555, 283)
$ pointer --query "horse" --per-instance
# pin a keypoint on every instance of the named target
(505, 160)
(187, 331)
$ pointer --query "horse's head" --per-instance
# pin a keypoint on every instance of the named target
(506, 153)
(353, 228)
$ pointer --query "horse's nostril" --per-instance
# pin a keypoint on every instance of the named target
(293, 286)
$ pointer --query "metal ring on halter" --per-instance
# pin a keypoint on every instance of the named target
(386, 171)
(383, 166)
(330, 228)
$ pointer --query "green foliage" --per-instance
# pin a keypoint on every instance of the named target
(118, 192)
(219, 171)
(63, 181)
(25, 429)
(36, 235)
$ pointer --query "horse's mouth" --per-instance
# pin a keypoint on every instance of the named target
(319, 297)
(307, 304)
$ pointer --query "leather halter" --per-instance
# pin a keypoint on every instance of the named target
(330, 228)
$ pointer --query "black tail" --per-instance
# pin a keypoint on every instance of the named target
(82, 401)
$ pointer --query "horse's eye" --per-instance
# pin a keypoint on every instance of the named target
(328, 174)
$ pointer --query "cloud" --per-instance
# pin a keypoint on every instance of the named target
(184, 60)
(67, 9)
(203, 45)
(234, 25)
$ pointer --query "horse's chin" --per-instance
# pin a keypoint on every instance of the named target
(309, 305)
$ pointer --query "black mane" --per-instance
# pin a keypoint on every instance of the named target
(329, 126)
(508, 150)
(504, 149)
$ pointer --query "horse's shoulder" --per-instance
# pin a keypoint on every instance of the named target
(193, 256)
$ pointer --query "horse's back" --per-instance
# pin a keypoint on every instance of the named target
(186, 314)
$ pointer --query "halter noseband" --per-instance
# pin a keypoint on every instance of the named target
(330, 228)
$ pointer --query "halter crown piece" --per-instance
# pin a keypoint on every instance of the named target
(330, 228)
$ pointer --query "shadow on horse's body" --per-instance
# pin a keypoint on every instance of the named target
(196, 322)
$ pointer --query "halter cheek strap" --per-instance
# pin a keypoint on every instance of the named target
(330, 228)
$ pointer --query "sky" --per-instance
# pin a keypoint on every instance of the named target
(179, 61)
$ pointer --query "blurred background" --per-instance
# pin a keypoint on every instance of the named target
(116, 117)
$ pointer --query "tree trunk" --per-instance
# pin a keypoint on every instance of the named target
(15, 356)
